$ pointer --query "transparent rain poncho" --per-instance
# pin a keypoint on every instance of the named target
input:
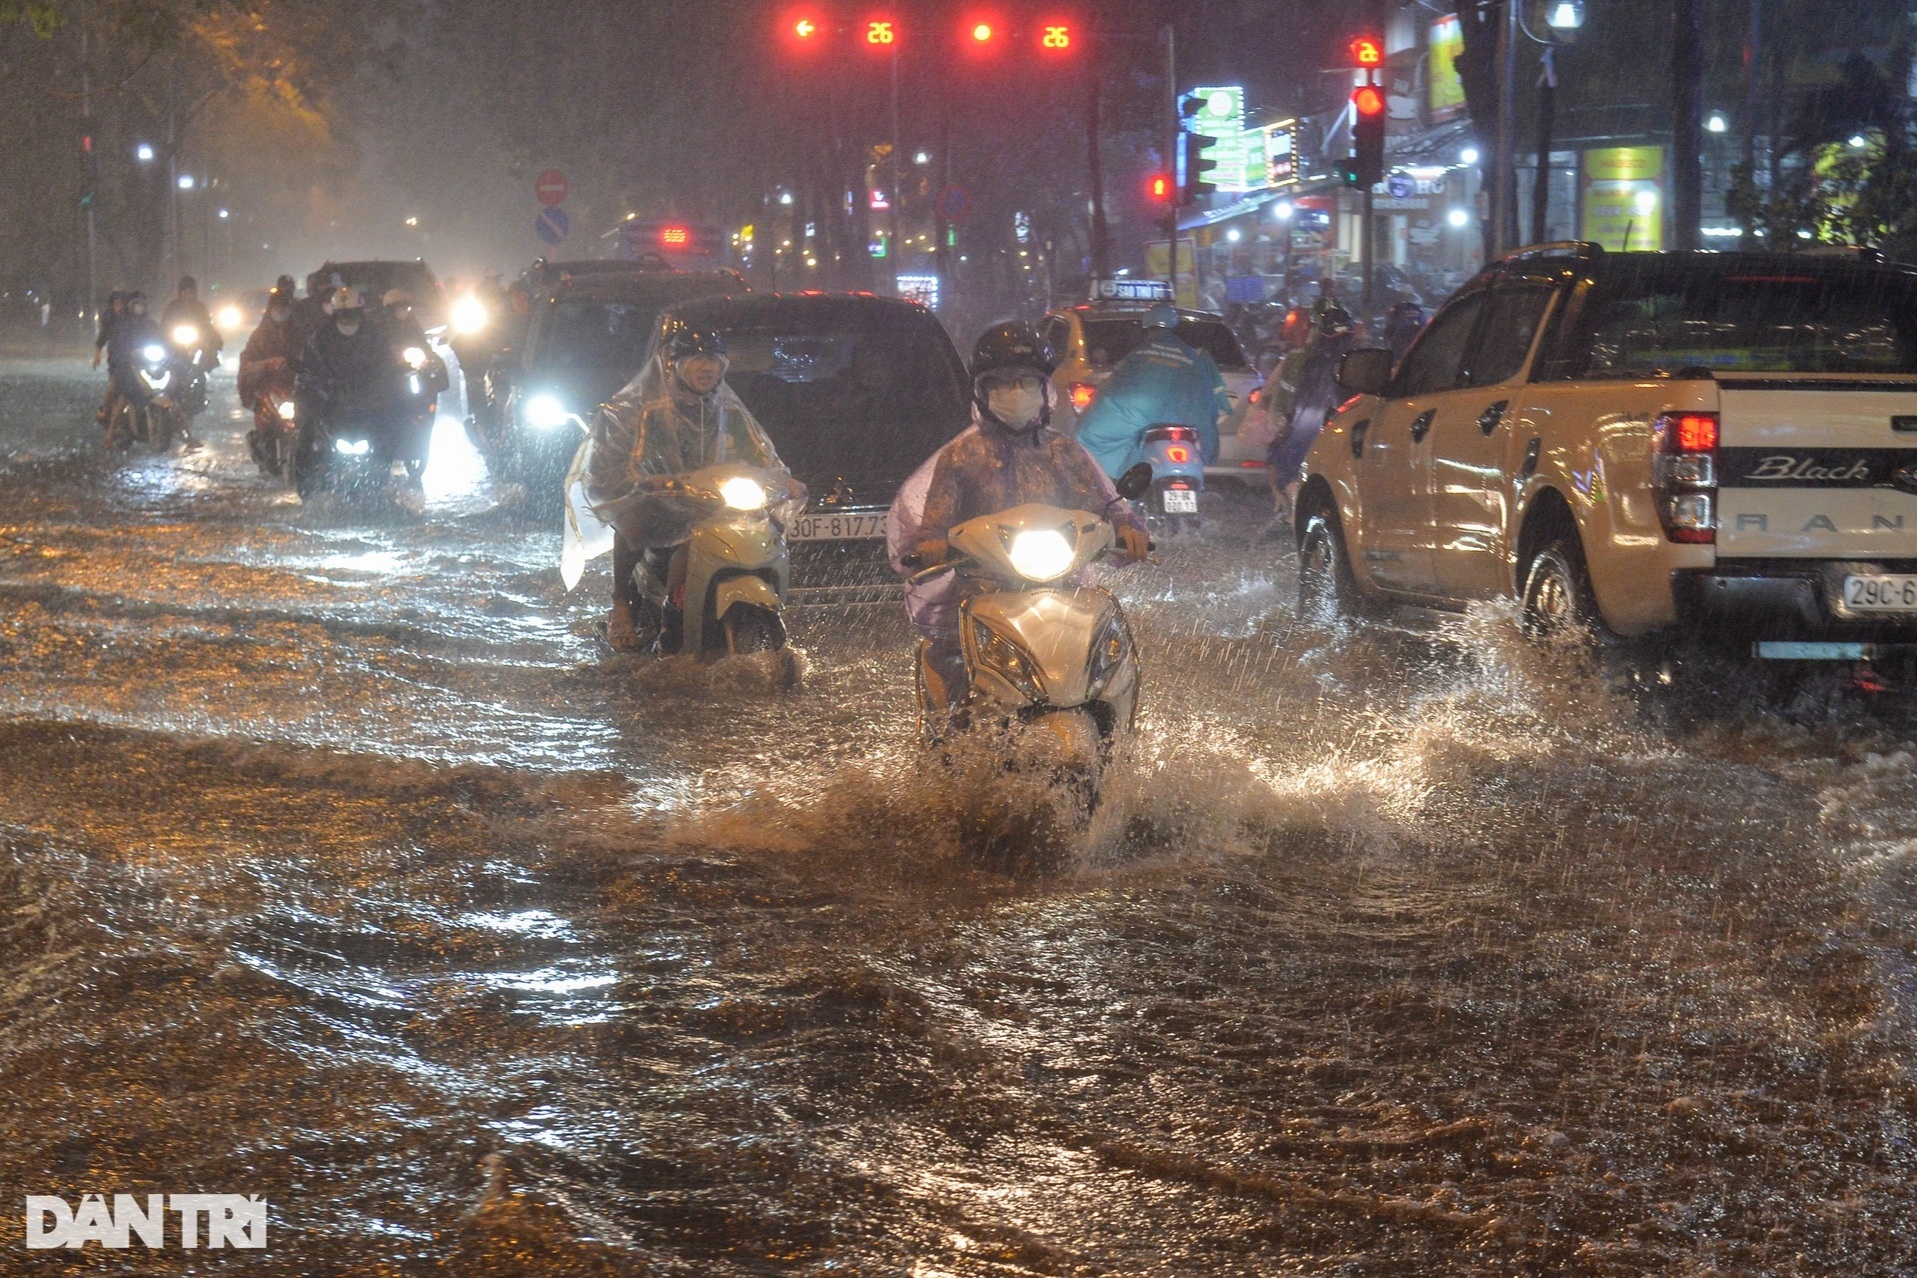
(629, 476)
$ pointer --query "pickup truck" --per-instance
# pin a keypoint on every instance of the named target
(1720, 442)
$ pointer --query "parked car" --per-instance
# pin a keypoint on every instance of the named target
(856, 393)
(1726, 441)
(1091, 338)
(587, 336)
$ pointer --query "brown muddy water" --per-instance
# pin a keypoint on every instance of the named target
(340, 864)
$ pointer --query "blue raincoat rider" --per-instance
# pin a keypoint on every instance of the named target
(1163, 382)
(1008, 457)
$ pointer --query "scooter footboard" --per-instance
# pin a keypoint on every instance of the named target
(745, 588)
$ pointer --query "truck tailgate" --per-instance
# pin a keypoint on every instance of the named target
(1817, 468)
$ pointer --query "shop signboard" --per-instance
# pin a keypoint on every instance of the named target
(1408, 193)
(1622, 201)
(1445, 88)
(1158, 265)
(1221, 115)
(1281, 160)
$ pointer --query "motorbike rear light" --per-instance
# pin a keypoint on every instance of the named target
(1684, 476)
(1082, 395)
(1178, 454)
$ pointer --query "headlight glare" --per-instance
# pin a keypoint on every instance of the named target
(1041, 554)
(415, 358)
(741, 493)
(545, 412)
(288, 409)
(353, 447)
(469, 315)
(153, 353)
(186, 335)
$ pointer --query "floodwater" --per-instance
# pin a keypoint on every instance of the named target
(340, 863)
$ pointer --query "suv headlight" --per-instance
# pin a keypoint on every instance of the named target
(1001, 655)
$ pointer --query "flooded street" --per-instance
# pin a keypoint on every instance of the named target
(341, 862)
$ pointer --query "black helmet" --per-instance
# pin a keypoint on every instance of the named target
(188, 284)
(1335, 321)
(687, 342)
(1012, 345)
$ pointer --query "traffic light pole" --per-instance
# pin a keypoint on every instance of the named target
(897, 196)
(1171, 152)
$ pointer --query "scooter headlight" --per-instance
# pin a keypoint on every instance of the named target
(1002, 656)
(153, 354)
(415, 358)
(469, 316)
(288, 410)
(230, 317)
(186, 335)
(1041, 554)
(352, 447)
(545, 412)
(741, 493)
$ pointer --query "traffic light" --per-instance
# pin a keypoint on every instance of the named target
(1056, 35)
(1367, 136)
(1367, 53)
(1192, 163)
(1158, 188)
(880, 34)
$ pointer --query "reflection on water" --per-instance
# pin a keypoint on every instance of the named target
(345, 866)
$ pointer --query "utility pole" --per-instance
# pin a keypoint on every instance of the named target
(1504, 179)
(93, 179)
(1094, 126)
(176, 252)
(1753, 74)
(1171, 151)
(896, 196)
(1687, 122)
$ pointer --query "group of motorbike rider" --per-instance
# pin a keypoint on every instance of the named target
(127, 330)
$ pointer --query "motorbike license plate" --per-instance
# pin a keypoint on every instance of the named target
(850, 526)
(1885, 593)
(1181, 501)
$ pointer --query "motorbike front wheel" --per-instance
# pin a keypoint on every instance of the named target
(748, 630)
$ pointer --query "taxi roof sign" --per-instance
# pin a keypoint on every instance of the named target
(1131, 290)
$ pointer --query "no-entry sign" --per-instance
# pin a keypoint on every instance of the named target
(551, 187)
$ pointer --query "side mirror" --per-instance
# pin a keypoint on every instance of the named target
(1136, 482)
(1365, 372)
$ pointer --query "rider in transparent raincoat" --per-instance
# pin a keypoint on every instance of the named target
(677, 416)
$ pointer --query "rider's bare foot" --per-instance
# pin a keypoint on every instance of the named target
(621, 633)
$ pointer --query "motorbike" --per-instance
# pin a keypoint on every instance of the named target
(729, 574)
(1051, 665)
(269, 386)
(1178, 476)
(192, 359)
(147, 412)
(419, 382)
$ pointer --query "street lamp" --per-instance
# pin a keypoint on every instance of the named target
(144, 153)
(186, 181)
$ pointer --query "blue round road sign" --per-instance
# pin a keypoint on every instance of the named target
(955, 202)
(1400, 186)
(552, 225)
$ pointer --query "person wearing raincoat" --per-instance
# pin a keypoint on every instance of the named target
(678, 416)
(1009, 456)
(1306, 395)
(1163, 382)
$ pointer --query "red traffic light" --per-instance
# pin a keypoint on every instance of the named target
(1367, 51)
(881, 33)
(982, 32)
(1055, 37)
(1159, 187)
(805, 28)
(1369, 101)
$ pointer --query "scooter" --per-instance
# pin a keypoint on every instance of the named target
(729, 573)
(191, 362)
(268, 386)
(1052, 665)
(421, 378)
(148, 414)
(1178, 476)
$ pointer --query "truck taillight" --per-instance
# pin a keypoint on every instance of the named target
(1684, 475)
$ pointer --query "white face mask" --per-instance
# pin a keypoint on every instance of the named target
(1018, 409)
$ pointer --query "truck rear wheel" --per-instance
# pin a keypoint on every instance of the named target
(1557, 595)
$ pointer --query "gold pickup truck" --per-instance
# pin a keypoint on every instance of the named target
(1720, 441)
